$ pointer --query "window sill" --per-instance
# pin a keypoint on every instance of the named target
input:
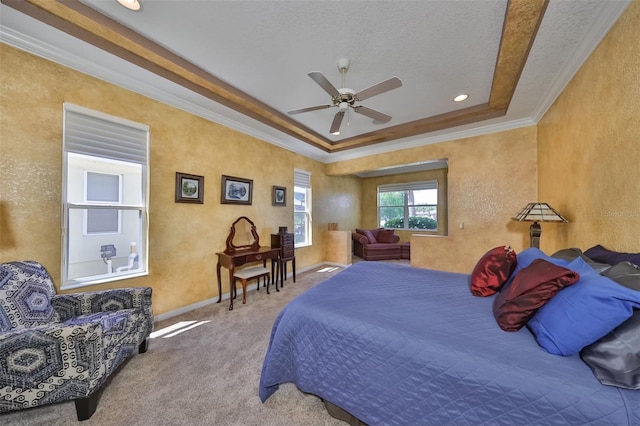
(100, 279)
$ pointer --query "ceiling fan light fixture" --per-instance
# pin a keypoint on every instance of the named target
(130, 4)
(336, 133)
(461, 97)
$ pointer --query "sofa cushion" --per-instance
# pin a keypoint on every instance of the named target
(391, 248)
(492, 270)
(26, 290)
(386, 236)
(534, 286)
(382, 251)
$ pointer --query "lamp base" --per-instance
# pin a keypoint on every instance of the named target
(534, 232)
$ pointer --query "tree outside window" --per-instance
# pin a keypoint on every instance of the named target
(413, 207)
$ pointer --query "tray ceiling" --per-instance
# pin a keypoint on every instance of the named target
(244, 64)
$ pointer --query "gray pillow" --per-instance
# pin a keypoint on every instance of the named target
(572, 253)
(626, 274)
(615, 358)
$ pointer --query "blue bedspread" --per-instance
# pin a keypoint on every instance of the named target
(392, 344)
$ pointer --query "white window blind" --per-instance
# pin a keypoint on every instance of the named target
(301, 178)
(409, 186)
(100, 135)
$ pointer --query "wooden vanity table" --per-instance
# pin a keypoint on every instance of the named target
(238, 254)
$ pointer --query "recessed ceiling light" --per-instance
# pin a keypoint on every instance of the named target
(461, 97)
(130, 4)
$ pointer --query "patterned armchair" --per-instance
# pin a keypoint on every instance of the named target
(64, 347)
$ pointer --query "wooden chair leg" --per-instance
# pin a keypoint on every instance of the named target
(293, 266)
(244, 291)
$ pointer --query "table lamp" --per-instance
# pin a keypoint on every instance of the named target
(538, 212)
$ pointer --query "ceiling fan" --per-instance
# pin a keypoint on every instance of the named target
(346, 98)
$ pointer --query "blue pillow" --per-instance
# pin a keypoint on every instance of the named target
(582, 313)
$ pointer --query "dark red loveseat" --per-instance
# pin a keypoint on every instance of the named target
(379, 244)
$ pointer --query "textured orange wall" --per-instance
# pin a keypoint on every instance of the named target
(490, 178)
(183, 237)
(589, 147)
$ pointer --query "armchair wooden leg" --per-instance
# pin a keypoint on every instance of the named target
(85, 407)
(143, 346)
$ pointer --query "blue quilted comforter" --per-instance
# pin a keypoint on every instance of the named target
(392, 344)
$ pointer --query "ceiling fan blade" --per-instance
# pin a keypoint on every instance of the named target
(372, 113)
(376, 89)
(337, 121)
(322, 81)
(313, 108)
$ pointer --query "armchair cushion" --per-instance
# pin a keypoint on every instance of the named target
(77, 304)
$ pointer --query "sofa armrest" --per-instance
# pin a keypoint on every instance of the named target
(75, 304)
(74, 353)
(359, 238)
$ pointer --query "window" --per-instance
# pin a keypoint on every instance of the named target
(105, 203)
(102, 187)
(412, 205)
(302, 207)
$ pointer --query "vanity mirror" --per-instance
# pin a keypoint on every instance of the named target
(242, 236)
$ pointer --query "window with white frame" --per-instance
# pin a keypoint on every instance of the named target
(412, 205)
(101, 188)
(302, 207)
(105, 202)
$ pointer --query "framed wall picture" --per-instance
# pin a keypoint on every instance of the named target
(189, 188)
(279, 196)
(236, 190)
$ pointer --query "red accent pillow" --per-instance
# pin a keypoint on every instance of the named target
(367, 233)
(370, 236)
(492, 271)
(531, 288)
(386, 236)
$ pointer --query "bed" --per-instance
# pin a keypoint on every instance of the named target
(391, 344)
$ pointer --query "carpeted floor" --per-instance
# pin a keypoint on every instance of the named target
(207, 374)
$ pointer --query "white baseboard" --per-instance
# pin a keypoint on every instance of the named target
(225, 296)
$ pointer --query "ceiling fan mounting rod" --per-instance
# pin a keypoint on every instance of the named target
(346, 95)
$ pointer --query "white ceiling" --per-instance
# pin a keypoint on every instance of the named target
(438, 48)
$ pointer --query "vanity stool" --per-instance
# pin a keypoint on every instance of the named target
(245, 275)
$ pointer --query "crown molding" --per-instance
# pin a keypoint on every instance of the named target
(606, 19)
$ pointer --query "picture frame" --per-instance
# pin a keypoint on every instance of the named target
(279, 196)
(236, 190)
(189, 188)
